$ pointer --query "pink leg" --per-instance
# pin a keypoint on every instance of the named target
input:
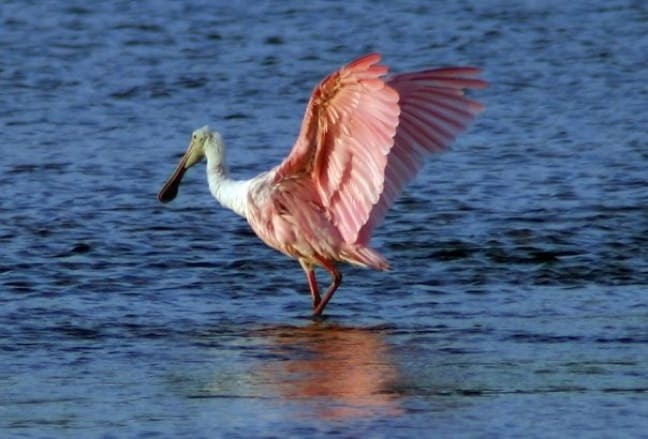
(337, 279)
(312, 283)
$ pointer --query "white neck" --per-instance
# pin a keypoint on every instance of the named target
(232, 194)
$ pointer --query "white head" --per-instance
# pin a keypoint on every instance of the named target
(203, 142)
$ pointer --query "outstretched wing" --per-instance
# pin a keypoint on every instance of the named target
(363, 138)
(433, 112)
(345, 138)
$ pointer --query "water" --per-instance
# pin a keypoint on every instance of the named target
(516, 306)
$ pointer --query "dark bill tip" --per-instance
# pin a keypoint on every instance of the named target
(168, 193)
(170, 189)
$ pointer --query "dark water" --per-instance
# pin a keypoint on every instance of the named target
(516, 306)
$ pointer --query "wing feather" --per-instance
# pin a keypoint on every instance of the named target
(433, 111)
(345, 138)
(365, 136)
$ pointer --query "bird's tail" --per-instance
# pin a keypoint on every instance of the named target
(365, 257)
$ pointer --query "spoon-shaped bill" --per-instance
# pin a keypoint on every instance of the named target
(170, 189)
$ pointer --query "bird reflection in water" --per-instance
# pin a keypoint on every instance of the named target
(340, 372)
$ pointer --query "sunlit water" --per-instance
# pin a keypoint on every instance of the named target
(516, 306)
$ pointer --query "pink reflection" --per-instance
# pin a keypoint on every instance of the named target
(346, 372)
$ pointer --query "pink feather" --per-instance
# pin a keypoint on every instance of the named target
(364, 137)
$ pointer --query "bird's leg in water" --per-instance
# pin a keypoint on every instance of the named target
(336, 279)
(312, 282)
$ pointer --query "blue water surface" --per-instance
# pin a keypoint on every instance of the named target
(516, 305)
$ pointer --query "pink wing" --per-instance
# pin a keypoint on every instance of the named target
(434, 111)
(362, 139)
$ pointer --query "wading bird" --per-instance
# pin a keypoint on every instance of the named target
(363, 138)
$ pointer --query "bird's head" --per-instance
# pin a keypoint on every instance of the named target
(201, 140)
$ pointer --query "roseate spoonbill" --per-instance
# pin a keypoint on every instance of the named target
(363, 138)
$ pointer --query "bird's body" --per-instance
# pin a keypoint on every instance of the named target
(363, 138)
